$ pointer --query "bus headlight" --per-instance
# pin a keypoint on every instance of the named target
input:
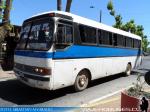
(43, 71)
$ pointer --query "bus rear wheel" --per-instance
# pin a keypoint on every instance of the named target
(82, 81)
(128, 70)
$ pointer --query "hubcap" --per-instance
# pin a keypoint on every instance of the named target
(82, 80)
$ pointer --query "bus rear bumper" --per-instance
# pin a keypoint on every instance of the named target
(33, 81)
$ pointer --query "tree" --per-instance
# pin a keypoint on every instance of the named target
(2, 31)
(68, 6)
(145, 43)
(118, 23)
(128, 26)
(5, 31)
(111, 8)
(118, 18)
(139, 30)
(59, 5)
(5, 26)
(1, 8)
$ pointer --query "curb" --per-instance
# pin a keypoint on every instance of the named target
(7, 78)
(96, 102)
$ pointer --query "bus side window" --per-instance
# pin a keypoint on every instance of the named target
(61, 34)
(87, 34)
(105, 37)
(110, 38)
(121, 40)
(139, 44)
(99, 37)
(82, 33)
(129, 42)
(136, 43)
(115, 39)
(64, 36)
(69, 34)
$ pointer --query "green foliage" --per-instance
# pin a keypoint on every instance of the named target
(4, 16)
(112, 13)
(118, 19)
(128, 26)
(145, 44)
(139, 30)
(148, 49)
(110, 5)
(2, 7)
(137, 89)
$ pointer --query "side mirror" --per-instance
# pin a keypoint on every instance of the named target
(147, 78)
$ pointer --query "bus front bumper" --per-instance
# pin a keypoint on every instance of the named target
(33, 80)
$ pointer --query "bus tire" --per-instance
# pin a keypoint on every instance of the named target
(82, 81)
(128, 69)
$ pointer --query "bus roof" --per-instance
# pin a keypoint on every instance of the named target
(92, 23)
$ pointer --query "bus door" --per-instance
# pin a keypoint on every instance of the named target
(63, 60)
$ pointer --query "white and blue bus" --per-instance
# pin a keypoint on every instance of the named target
(59, 49)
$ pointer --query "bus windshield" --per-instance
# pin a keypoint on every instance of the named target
(37, 35)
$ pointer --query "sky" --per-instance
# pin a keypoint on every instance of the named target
(139, 10)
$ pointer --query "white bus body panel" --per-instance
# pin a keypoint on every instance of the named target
(37, 62)
(66, 70)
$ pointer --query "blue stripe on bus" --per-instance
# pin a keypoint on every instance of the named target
(76, 51)
(33, 54)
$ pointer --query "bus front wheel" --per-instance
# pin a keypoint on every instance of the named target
(128, 69)
(81, 81)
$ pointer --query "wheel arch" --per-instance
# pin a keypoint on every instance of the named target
(86, 75)
(88, 71)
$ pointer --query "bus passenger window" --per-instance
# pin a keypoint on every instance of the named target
(87, 34)
(121, 40)
(61, 34)
(129, 42)
(99, 37)
(105, 37)
(68, 34)
(139, 44)
(64, 36)
(82, 33)
(110, 38)
(136, 43)
(115, 39)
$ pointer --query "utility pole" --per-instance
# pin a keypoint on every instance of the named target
(59, 5)
(100, 16)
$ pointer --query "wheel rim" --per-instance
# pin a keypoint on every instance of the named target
(82, 82)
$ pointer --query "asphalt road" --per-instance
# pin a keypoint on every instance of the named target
(14, 93)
